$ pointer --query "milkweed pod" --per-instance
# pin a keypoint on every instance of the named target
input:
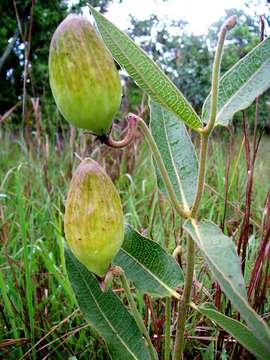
(93, 221)
(83, 77)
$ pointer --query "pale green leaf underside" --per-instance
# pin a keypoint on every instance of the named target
(145, 72)
(148, 265)
(239, 86)
(224, 263)
(105, 312)
(177, 152)
(238, 330)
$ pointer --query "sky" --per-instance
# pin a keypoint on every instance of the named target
(200, 14)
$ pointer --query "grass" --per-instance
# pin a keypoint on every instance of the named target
(38, 314)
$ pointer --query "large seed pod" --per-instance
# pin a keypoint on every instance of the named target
(83, 77)
(93, 222)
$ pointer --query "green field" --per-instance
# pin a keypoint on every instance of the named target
(39, 318)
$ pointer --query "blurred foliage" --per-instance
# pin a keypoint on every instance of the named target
(185, 57)
(46, 17)
(101, 4)
(14, 34)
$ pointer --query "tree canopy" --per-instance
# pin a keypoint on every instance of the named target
(26, 27)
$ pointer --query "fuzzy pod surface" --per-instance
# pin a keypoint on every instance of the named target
(83, 77)
(93, 221)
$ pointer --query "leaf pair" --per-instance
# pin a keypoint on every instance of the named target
(179, 156)
(237, 90)
(221, 257)
(150, 268)
(106, 313)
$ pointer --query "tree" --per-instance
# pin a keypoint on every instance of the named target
(26, 24)
(188, 58)
(185, 57)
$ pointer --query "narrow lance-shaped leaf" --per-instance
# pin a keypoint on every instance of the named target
(222, 259)
(239, 86)
(238, 330)
(177, 152)
(148, 265)
(145, 72)
(105, 312)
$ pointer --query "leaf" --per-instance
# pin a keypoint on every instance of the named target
(238, 330)
(224, 263)
(239, 86)
(209, 353)
(219, 251)
(148, 265)
(105, 312)
(177, 152)
(144, 71)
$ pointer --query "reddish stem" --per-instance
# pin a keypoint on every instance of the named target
(132, 126)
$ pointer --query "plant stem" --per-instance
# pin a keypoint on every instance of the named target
(118, 144)
(167, 350)
(183, 306)
(228, 24)
(152, 144)
(201, 177)
(205, 134)
(137, 315)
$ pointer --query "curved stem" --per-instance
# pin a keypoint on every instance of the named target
(152, 144)
(132, 125)
(183, 306)
(137, 315)
(228, 24)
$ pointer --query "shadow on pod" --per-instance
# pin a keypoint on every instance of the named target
(83, 77)
(94, 221)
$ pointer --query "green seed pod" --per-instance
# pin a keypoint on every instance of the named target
(93, 222)
(83, 77)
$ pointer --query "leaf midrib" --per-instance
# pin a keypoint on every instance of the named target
(184, 200)
(171, 291)
(206, 104)
(161, 74)
(237, 323)
(230, 99)
(250, 310)
(103, 314)
(212, 262)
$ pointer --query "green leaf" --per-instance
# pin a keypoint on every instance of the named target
(144, 71)
(148, 265)
(105, 312)
(239, 86)
(209, 353)
(239, 331)
(222, 259)
(177, 152)
(219, 251)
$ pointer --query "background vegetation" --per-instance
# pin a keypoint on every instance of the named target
(38, 314)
